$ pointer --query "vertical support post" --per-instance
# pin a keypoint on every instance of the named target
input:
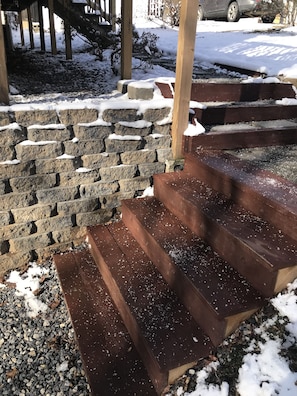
(67, 32)
(30, 25)
(126, 39)
(21, 28)
(184, 70)
(112, 14)
(52, 26)
(4, 91)
(41, 26)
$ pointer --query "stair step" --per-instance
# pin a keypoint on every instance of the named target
(263, 193)
(258, 250)
(242, 136)
(206, 284)
(229, 113)
(231, 91)
(111, 363)
(163, 331)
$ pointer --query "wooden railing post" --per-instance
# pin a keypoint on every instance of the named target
(4, 91)
(184, 70)
(126, 39)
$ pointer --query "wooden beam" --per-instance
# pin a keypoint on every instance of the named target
(184, 70)
(126, 39)
(112, 14)
(30, 24)
(41, 26)
(52, 26)
(21, 28)
(4, 90)
(67, 32)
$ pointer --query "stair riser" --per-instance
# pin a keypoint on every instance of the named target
(240, 139)
(243, 195)
(199, 308)
(227, 245)
(232, 115)
(160, 380)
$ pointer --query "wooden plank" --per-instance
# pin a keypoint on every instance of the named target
(41, 26)
(52, 26)
(126, 40)
(184, 69)
(4, 91)
(21, 29)
(67, 31)
(30, 24)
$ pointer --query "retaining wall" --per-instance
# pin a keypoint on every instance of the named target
(65, 167)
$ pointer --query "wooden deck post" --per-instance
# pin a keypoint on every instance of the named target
(30, 25)
(52, 26)
(126, 40)
(4, 91)
(184, 70)
(67, 32)
(41, 26)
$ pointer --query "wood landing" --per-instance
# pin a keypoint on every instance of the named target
(162, 288)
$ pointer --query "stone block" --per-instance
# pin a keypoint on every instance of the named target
(164, 129)
(11, 261)
(137, 128)
(17, 200)
(76, 116)
(16, 168)
(7, 153)
(5, 117)
(29, 243)
(122, 86)
(27, 150)
(148, 170)
(114, 200)
(57, 132)
(95, 190)
(141, 90)
(78, 177)
(78, 206)
(69, 234)
(11, 134)
(138, 157)
(33, 183)
(57, 165)
(38, 116)
(32, 213)
(118, 172)
(54, 223)
(16, 230)
(57, 194)
(100, 216)
(157, 114)
(115, 115)
(92, 131)
(137, 184)
(95, 161)
(116, 144)
(5, 218)
(83, 147)
(156, 141)
(164, 155)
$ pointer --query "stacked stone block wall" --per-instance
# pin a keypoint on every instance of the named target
(65, 168)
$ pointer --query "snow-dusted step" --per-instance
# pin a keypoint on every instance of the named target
(165, 334)
(111, 363)
(215, 294)
(259, 251)
(263, 193)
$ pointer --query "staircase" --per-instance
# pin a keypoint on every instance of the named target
(162, 288)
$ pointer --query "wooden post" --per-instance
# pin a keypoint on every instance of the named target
(52, 26)
(41, 26)
(21, 28)
(30, 25)
(4, 90)
(184, 70)
(67, 32)
(126, 39)
(112, 14)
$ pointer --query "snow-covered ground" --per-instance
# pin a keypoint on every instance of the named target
(265, 369)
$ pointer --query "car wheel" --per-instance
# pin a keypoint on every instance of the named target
(200, 13)
(268, 19)
(233, 12)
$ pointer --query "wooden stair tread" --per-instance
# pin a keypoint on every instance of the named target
(277, 250)
(204, 278)
(111, 363)
(166, 335)
(265, 194)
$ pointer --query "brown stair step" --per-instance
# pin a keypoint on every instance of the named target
(263, 193)
(258, 250)
(111, 363)
(229, 113)
(232, 136)
(215, 294)
(166, 336)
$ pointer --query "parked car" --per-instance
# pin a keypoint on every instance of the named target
(232, 10)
